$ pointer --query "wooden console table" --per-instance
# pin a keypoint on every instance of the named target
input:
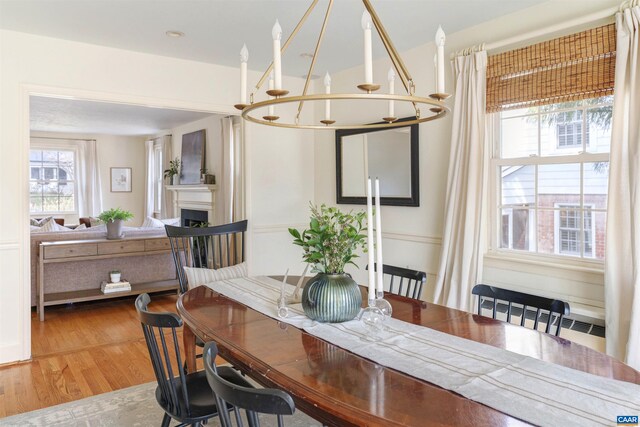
(84, 250)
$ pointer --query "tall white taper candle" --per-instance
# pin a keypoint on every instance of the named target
(327, 90)
(370, 248)
(380, 285)
(440, 38)
(244, 57)
(435, 72)
(368, 58)
(391, 76)
(272, 108)
(276, 33)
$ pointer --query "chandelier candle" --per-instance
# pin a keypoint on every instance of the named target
(435, 71)
(370, 248)
(272, 108)
(327, 90)
(391, 76)
(244, 57)
(276, 33)
(380, 286)
(368, 58)
(440, 38)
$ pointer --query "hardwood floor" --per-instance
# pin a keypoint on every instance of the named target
(80, 350)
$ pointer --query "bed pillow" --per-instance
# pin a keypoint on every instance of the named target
(200, 276)
(80, 227)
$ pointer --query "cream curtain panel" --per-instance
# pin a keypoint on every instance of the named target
(166, 199)
(232, 183)
(465, 207)
(89, 183)
(622, 261)
(149, 175)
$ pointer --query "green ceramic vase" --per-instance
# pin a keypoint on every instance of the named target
(331, 298)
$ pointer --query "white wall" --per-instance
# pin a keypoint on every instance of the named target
(40, 65)
(116, 151)
(412, 236)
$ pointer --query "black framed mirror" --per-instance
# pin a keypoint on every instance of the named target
(390, 154)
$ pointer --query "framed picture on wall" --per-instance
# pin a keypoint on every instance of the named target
(193, 155)
(120, 180)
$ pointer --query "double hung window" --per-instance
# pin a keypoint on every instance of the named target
(552, 191)
(52, 181)
(549, 111)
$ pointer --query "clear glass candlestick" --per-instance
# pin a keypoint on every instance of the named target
(372, 318)
(383, 304)
(283, 310)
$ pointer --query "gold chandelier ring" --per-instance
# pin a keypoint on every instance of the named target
(438, 108)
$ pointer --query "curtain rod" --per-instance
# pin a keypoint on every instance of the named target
(63, 139)
(553, 28)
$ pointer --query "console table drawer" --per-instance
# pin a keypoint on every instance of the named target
(121, 246)
(157, 244)
(70, 251)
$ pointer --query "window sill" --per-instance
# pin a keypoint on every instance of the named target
(493, 257)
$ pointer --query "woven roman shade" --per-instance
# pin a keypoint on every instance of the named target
(568, 68)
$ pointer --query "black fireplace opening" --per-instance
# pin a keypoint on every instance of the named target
(194, 218)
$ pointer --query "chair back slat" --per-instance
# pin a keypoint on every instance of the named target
(164, 352)
(415, 280)
(523, 317)
(206, 247)
(552, 308)
(253, 401)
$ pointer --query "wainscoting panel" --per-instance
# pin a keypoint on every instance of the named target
(11, 303)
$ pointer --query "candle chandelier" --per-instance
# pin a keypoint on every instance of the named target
(264, 112)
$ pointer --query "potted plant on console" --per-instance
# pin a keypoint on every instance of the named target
(329, 244)
(173, 173)
(113, 218)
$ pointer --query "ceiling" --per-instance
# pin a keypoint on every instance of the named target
(214, 33)
(90, 117)
(216, 29)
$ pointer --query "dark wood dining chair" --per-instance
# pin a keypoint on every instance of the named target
(253, 401)
(185, 398)
(409, 282)
(532, 307)
(206, 247)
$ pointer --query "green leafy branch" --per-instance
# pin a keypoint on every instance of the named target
(332, 240)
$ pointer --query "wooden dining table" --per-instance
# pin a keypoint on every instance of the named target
(339, 388)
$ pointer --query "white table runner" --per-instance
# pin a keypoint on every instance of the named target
(536, 391)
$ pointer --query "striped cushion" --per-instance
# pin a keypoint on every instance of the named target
(50, 225)
(200, 276)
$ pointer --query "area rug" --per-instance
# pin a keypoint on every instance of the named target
(134, 406)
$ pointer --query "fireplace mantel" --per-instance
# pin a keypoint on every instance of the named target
(200, 197)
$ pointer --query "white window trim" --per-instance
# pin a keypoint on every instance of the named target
(556, 227)
(58, 146)
(583, 130)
